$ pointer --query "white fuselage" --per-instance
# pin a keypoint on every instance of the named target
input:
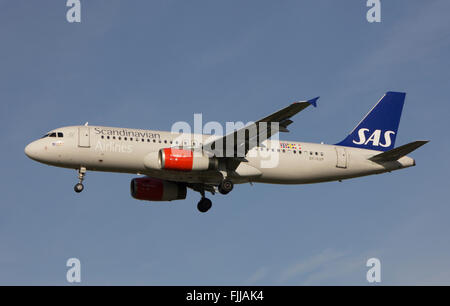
(111, 149)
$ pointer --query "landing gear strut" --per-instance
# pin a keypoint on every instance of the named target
(79, 186)
(204, 204)
(225, 186)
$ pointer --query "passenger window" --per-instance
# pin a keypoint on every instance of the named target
(60, 135)
(295, 151)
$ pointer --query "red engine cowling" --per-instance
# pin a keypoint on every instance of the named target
(184, 160)
(152, 189)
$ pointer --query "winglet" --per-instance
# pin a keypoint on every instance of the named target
(313, 102)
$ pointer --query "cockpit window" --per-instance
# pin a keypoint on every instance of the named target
(52, 135)
(60, 134)
(46, 135)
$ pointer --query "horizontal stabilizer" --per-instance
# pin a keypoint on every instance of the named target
(399, 152)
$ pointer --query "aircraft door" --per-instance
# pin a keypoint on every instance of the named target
(84, 137)
(341, 157)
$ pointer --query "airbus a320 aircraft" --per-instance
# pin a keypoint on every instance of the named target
(172, 162)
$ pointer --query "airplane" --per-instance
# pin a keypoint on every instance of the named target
(169, 163)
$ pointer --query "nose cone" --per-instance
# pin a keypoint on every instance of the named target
(31, 150)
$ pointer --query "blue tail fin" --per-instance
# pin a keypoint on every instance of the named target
(378, 129)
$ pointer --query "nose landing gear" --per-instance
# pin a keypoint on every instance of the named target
(79, 186)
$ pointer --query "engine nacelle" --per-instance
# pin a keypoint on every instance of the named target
(152, 189)
(184, 160)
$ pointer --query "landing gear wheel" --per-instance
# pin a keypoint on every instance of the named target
(78, 188)
(225, 186)
(204, 205)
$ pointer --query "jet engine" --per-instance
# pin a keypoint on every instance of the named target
(184, 160)
(152, 189)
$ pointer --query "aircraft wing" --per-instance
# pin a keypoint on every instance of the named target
(239, 142)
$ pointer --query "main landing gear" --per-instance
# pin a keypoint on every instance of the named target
(225, 186)
(205, 204)
(79, 186)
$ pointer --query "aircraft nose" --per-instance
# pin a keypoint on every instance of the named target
(31, 150)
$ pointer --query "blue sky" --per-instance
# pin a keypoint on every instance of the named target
(148, 64)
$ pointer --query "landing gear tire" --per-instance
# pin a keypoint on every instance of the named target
(81, 173)
(204, 205)
(225, 186)
(78, 188)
